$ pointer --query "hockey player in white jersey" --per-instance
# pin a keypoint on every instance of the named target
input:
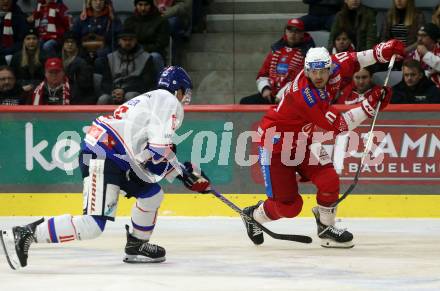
(127, 152)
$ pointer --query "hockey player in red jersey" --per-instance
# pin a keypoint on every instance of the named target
(306, 106)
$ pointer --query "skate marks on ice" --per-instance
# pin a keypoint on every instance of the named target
(215, 254)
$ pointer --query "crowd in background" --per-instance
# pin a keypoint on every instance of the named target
(353, 27)
(49, 56)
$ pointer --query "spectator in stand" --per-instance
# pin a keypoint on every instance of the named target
(178, 13)
(97, 28)
(152, 31)
(436, 15)
(28, 63)
(360, 88)
(360, 20)
(72, 62)
(282, 64)
(51, 21)
(428, 51)
(13, 26)
(342, 42)
(127, 72)
(321, 14)
(10, 92)
(415, 87)
(402, 22)
(79, 73)
(55, 89)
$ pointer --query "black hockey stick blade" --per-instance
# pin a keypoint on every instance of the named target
(290, 237)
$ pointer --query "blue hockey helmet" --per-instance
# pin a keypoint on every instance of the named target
(174, 78)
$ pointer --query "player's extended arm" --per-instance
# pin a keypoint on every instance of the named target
(381, 52)
(333, 120)
(350, 63)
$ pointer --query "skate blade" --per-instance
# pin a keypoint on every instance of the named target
(8, 244)
(136, 259)
(327, 243)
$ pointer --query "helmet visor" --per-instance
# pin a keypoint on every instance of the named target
(187, 95)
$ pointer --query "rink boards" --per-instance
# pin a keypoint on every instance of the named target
(378, 205)
(39, 172)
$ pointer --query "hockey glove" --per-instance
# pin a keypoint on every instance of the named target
(194, 179)
(385, 50)
(370, 103)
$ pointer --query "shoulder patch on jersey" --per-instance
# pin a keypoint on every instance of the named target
(308, 96)
(335, 68)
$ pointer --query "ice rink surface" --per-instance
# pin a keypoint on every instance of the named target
(215, 254)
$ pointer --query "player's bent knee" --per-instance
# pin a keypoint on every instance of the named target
(286, 209)
(290, 210)
(88, 227)
(151, 203)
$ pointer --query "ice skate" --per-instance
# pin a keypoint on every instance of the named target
(16, 243)
(331, 236)
(141, 251)
(254, 232)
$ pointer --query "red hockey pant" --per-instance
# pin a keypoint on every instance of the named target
(282, 186)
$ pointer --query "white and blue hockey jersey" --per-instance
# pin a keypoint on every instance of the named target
(137, 133)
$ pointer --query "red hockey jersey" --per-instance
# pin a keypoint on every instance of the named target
(303, 106)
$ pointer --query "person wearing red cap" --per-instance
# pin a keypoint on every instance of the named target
(55, 89)
(282, 64)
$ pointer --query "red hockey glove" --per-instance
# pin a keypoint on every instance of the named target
(194, 179)
(385, 50)
(369, 105)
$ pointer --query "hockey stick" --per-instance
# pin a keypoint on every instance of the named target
(291, 237)
(370, 138)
